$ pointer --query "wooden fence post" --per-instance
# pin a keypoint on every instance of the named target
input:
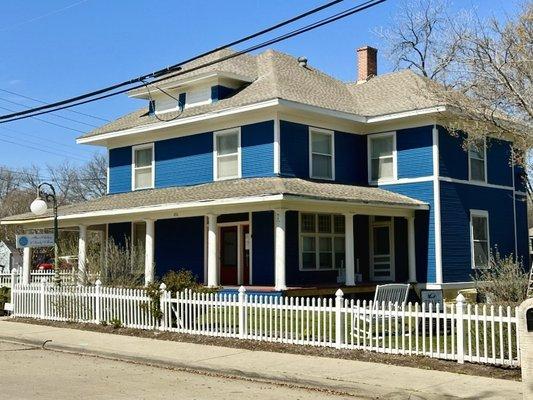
(42, 298)
(13, 276)
(163, 306)
(459, 307)
(242, 311)
(97, 297)
(339, 329)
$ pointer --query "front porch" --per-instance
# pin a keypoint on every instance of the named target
(292, 242)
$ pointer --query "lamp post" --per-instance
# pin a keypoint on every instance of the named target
(39, 207)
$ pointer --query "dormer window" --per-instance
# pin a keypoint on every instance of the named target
(321, 154)
(477, 161)
(227, 154)
(198, 97)
(143, 167)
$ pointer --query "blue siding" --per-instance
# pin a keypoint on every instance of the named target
(522, 231)
(221, 92)
(362, 245)
(120, 233)
(350, 154)
(294, 149)
(263, 248)
(520, 179)
(179, 244)
(350, 158)
(424, 226)
(257, 143)
(186, 160)
(499, 171)
(120, 170)
(453, 162)
(415, 152)
(456, 202)
(401, 256)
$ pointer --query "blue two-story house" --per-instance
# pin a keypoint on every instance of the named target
(263, 171)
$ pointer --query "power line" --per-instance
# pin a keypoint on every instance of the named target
(69, 146)
(39, 176)
(47, 122)
(44, 102)
(55, 115)
(39, 149)
(171, 68)
(42, 16)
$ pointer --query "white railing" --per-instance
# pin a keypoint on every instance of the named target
(460, 332)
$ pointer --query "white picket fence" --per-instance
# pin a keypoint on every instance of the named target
(460, 332)
(7, 279)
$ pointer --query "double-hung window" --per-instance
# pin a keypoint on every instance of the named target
(479, 236)
(322, 154)
(477, 161)
(227, 154)
(143, 167)
(382, 157)
(322, 241)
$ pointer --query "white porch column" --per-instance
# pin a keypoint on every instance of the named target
(279, 252)
(82, 254)
(412, 248)
(349, 250)
(149, 252)
(26, 265)
(212, 267)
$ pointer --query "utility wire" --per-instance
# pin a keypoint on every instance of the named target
(40, 144)
(44, 102)
(171, 68)
(55, 115)
(315, 25)
(47, 122)
(66, 145)
(39, 149)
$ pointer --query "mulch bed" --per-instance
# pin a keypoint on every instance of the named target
(490, 371)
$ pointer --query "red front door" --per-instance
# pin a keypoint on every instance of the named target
(229, 258)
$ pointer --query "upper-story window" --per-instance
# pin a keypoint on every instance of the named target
(143, 167)
(477, 164)
(479, 238)
(321, 154)
(382, 157)
(227, 154)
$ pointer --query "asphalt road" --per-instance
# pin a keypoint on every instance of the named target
(34, 373)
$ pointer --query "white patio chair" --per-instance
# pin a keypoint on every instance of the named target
(385, 300)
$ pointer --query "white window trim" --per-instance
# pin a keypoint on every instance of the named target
(394, 158)
(483, 214)
(215, 153)
(316, 235)
(133, 168)
(332, 136)
(484, 164)
(390, 225)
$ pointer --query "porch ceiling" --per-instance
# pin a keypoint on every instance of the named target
(222, 196)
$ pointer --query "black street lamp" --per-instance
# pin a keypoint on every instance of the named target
(39, 207)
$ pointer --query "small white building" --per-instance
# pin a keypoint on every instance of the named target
(9, 257)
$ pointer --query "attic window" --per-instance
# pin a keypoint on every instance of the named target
(198, 97)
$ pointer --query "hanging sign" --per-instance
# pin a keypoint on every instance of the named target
(35, 240)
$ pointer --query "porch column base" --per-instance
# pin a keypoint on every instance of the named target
(212, 270)
(279, 251)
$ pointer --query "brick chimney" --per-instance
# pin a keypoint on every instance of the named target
(367, 63)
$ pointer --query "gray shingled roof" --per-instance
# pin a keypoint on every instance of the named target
(236, 189)
(279, 76)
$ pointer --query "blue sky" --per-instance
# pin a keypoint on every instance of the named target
(61, 48)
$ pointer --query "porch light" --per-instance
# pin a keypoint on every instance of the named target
(38, 206)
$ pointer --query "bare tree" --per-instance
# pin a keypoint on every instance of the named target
(92, 181)
(418, 37)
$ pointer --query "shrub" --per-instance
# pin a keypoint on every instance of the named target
(124, 265)
(177, 281)
(504, 282)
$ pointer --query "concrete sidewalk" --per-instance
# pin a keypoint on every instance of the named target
(361, 379)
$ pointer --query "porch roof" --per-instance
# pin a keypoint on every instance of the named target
(226, 192)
